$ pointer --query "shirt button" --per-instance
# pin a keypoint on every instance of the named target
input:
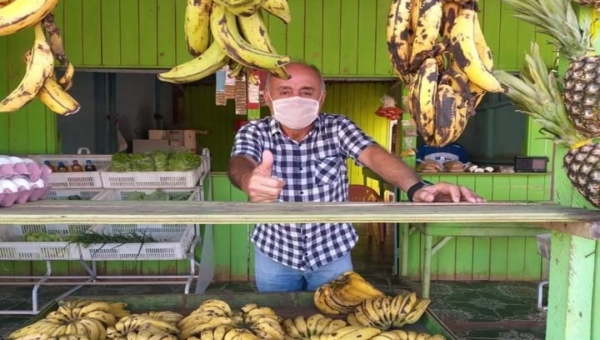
(301, 192)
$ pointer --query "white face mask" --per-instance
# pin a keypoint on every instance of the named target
(295, 112)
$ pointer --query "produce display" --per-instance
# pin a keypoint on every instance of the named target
(569, 113)
(214, 319)
(22, 180)
(438, 50)
(155, 161)
(229, 32)
(40, 80)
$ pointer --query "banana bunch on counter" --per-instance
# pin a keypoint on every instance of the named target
(385, 312)
(437, 48)
(229, 32)
(76, 320)
(344, 294)
(40, 80)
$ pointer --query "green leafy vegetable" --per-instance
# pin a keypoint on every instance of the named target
(184, 161)
(142, 162)
(161, 159)
(120, 162)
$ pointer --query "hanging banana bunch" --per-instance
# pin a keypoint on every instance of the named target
(438, 50)
(40, 80)
(229, 32)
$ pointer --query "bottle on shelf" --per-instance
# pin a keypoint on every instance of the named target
(76, 167)
(89, 166)
(62, 167)
(49, 165)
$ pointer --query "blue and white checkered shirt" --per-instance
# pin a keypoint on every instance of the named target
(314, 171)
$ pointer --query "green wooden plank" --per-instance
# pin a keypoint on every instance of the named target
(596, 296)
(464, 245)
(148, 33)
(481, 245)
(331, 37)
(536, 188)
(382, 59)
(509, 57)
(518, 188)
(182, 54)
(499, 258)
(36, 126)
(348, 37)
(491, 28)
(446, 256)
(92, 37)
(278, 32)
(18, 44)
(111, 33)
(4, 91)
(367, 38)
(51, 133)
(581, 285)
(167, 55)
(295, 31)
(516, 258)
(313, 34)
(222, 233)
(72, 29)
(130, 33)
(414, 255)
(526, 34)
(239, 242)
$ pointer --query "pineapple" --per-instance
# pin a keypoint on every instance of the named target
(557, 19)
(537, 94)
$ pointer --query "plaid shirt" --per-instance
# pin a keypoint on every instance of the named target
(314, 171)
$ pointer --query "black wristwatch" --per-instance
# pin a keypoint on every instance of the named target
(416, 187)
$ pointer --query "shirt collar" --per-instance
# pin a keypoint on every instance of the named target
(275, 127)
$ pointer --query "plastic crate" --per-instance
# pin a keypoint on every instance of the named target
(13, 248)
(156, 179)
(174, 242)
(175, 239)
(85, 179)
(64, 194)
(543, 241)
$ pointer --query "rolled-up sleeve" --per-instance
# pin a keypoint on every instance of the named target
(248, 142)
(353, 139)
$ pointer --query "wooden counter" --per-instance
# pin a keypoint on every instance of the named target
(580, 222)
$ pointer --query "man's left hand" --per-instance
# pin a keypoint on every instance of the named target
(446, 192)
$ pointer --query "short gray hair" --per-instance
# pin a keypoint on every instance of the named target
(312, 66)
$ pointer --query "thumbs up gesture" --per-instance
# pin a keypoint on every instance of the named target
(261, 186)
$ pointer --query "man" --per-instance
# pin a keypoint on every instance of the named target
(298, 155)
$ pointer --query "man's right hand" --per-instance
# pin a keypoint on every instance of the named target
(261, 186)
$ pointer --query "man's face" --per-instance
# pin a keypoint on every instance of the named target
(304, 82)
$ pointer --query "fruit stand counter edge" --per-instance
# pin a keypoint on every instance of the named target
(575, 221)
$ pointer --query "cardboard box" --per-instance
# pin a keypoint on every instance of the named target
(186, 138)
(145, 145)
(157, 134)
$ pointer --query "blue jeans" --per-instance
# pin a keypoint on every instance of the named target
(272, 276)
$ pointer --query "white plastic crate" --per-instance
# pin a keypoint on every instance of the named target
(13, 248)
(64, 194)
(156, 179)
(174, 242)
(85, 179)
(122, 194)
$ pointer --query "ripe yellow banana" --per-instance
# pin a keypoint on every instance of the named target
(249, 8)
(224, 306)
(255, 32)
(94, 328)
(21, 14)
(450, 119)
(426, 31)
(196, 26)
(290, 329)
(166, 316)
(225, 33)
(39, 69)
(362, 333)
(268, 328)
(361, 285)
(335, 325)
(220, 331)
(311, 323)
(466, 54)
(279, 8)
(320, 301)
(398, 33)
(95, 306)
(105, 317)
(483, 50)
(198, 68)
(422, 95)
(417, 311)
(450, 11)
